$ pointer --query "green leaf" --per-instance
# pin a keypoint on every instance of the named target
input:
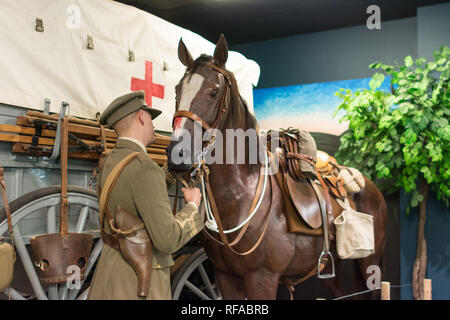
(408, 61)
(376, 81)
(429, 146)
(431, 66)
(421, 61)
(441, 61)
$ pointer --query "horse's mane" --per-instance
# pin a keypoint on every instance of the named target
(236, 98)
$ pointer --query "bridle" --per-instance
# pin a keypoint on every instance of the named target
(223, 104)
(212, 214)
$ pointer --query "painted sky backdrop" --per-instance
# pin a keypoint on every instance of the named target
(309, 107)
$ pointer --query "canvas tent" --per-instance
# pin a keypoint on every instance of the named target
(129, 50)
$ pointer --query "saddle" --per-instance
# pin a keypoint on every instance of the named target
(309, 180)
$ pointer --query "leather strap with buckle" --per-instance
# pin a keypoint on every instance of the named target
(223, 106)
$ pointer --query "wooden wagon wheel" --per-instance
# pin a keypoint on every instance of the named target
(193, 279)
(42, 206)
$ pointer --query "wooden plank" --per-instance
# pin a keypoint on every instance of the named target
(26, 130)
(55, 116)
(24, 148)
(155, 149)
(73, 128)
(151, 150)
(160, 139)
(159, 159)
(24, 139)
(44, 141)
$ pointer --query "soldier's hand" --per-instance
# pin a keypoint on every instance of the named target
(192, 194)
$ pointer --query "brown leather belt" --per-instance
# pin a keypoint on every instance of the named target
(111, 240)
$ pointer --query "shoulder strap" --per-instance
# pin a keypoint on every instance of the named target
(6, 204)
(110, 182)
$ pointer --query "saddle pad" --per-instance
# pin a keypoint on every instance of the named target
(305, 201)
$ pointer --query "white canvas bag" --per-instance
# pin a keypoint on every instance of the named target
(354, 233)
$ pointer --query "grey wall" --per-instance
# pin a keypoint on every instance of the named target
(331, 55)
(433, 29)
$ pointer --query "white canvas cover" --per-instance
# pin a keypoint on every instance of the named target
(56, 64)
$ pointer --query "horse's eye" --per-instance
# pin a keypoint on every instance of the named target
(214, 93)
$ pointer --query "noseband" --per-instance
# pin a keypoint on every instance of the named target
(223, 106)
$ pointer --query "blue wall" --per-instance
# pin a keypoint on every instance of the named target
(437, 234)
(345, 54)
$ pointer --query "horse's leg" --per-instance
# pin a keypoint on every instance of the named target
(261, 285)
(231, 287)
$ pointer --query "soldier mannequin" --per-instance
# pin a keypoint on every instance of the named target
(141, 190)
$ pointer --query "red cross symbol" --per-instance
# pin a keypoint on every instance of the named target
(151, 89)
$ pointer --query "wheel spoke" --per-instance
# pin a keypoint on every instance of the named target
(197, 291)
(47, 202)
(63, 291)
(13, 294)
(206, 281)
(28, 265)
(82, 219)
(51, 220)
(92, 259)
(83, 295)
(53, 292)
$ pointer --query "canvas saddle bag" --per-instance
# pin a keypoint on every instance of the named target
(354, 233)
(7, 252)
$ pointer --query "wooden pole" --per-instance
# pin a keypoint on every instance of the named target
(385, 290)
(426, 289)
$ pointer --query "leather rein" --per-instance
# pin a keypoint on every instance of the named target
(214, 223)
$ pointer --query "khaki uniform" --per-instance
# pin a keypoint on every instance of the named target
(141, 190)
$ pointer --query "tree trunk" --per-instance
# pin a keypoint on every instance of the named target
(420, 264)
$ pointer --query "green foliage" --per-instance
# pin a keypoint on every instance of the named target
(401, 138)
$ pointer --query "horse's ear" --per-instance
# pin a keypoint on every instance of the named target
(221, 51)
(183, 54)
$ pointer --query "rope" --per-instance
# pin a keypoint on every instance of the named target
(370, 290)
(211, 222)
(402, 285)
(355, 294)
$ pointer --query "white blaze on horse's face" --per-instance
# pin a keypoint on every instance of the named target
(189, 89)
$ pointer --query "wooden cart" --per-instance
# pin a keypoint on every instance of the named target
(35, 134)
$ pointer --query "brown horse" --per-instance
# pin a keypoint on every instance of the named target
(208, 95)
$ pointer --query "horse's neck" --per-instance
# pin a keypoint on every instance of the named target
(234, 182)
